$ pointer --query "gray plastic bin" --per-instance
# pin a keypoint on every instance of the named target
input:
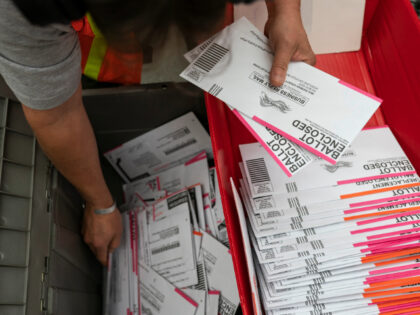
(45, 268)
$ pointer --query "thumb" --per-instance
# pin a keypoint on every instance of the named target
(281, 61)
(114, 244)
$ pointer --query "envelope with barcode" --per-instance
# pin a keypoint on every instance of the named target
(317, 111)
(374, 155)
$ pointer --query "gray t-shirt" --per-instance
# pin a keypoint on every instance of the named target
(40, 64)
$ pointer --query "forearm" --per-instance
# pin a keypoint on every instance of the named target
(66, 136)
(289, 9)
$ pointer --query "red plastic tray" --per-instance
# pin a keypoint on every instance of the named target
(388, 65)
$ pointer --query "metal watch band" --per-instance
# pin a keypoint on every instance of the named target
(106, 210)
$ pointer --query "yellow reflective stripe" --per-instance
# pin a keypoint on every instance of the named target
(96, 53)
(93, 26)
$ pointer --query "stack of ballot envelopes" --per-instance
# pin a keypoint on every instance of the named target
(329, 211)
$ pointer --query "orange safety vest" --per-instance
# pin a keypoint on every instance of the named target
(103, 63)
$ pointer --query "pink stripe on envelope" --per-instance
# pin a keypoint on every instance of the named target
(262, 142)
(113, 149)
(362, 179)
(384, 227)
(301, 143)
(390, 246)
(385, 240)
(392, 269)
(393, 276)
(374, 97)
(388, 217)
(371, 237)
(213, 292)
(381, 205)
(199, 157)
(186, 297)
(365, 203)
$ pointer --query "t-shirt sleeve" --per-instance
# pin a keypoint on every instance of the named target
(40, 64)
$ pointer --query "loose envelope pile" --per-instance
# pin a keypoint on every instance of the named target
(174, 256)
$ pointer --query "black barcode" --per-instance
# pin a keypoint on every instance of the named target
(291, 187)
(201, 274)
(165, 248)
(180, 146)
(257, 170)
(302, 239)
(215, 90)
(317, 244)
(293, 202)
(302, 211)
(211, 57)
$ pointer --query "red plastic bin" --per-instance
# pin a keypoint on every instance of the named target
(387, 65)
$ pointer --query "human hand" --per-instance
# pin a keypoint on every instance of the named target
(287, 38)
(101, 232)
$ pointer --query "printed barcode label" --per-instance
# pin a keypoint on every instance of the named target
(258, 175)
(215, 90)
(211, 57)
(293, 202)
(257, 170)
(291, 187)
(165, 248)
(201, 274)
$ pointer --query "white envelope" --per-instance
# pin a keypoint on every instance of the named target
(119, 270)
(212, 302)
(199, 296)
(166, 146)
(171, 244)
(374, 154)
(319, 112)
(288, 155)
(159, 297)
(219, 215)
(248, 253)
(220, 273)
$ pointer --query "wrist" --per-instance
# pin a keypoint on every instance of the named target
(281, 7)
(99, 200)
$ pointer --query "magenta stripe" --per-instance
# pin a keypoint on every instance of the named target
(383, 227)
(385, 250)
(374, 97)
(186, 297)
(390, 239)
(262, 142)
(388, 217)
(349, 181)
(365, 203)
(389, 246)
(392, 276)
(199, 157)
(392, 269)
(301, 143)
(371, 237)
(388, 204)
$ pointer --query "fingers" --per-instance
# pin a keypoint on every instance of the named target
(282, 57)
(114, 243)
(102, 254)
